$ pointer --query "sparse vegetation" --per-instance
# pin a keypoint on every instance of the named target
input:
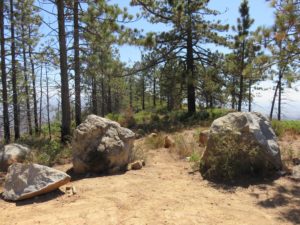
(155, 141)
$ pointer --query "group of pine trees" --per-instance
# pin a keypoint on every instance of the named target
(177, 68)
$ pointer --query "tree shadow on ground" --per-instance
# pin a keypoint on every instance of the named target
(231, 186)
(283, 197)
(38, 199)
(74, 176)
(286, 200)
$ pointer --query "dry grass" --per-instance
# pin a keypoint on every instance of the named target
(187, 147)
(138, 153)
(155, 142)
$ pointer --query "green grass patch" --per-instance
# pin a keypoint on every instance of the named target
(287, 126)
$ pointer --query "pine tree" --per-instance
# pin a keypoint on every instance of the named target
(190, 30)
(241, 46)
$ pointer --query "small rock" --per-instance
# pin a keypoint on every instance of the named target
(71, 190)
(137, 165)
(169, 142)
(296, 173)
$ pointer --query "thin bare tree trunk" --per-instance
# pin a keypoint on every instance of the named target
(33, 77)
(48, 104)
(41, 97)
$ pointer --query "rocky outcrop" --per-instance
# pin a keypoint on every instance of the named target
(12, 153)
(240, 143)
(101, 145)
(25, 181)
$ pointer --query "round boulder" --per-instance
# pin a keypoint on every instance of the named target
(101, 145)
(240, 144)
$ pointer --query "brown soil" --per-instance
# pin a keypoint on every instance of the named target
(163, 192)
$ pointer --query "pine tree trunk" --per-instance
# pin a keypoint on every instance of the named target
(77, 65)
(190, 67)
(154, 92)
(279, 95)
(273, 101)
(41, 97)
(130, 93)
(48, 105)
(102, 97)
(143, 92)
(33, 77)
(94, 96)
(109, 97)
(250, 96)
(65, 98)
(28, 111)
(233, 94)
(190, 70)
(241, 79)
(6, 122)
(14, 74)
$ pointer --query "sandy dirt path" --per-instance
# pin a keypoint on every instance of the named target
(161, 193)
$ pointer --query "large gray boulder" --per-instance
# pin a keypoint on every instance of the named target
(239, 144)
(25, 181)
(12, 153)
(101, 146)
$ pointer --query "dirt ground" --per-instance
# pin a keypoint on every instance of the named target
(163, 192)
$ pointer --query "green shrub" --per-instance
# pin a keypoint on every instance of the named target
(114, 117)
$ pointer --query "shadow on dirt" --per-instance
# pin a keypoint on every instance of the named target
(231, 186)
(280, 196)
(74, 176)
(38, 199)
